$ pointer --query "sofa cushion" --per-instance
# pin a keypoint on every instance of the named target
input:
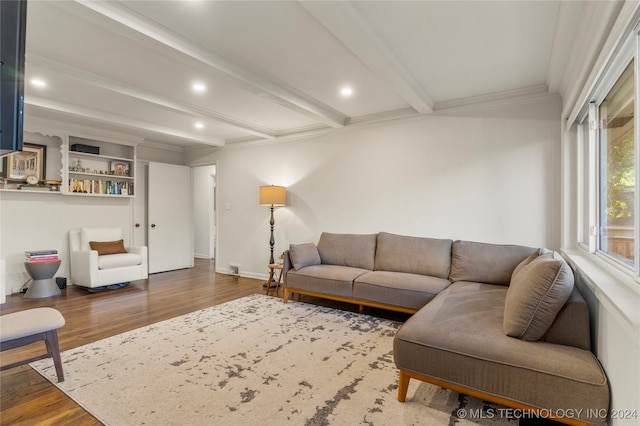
(302, 255)
(571, 326)
(537, 293)
(398, 288)
(119, 261)
(326, 279)
(108, 247)
(354, 250)
(458, 338)
(485, 263)
(413, 255)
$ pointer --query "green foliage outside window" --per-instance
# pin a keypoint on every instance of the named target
(620, 180)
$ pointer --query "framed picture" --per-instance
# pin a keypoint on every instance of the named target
(30, 161)
(120, 168)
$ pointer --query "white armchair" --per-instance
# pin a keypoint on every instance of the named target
(88, 269)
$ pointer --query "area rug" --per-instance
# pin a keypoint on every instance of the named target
(256, 360)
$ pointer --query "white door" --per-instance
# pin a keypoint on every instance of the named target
(140, 206)
(169, 217)
(212, 217)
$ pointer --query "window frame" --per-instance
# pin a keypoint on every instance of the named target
(629, 51)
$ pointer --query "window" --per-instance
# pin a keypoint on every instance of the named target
(617, 170)
(584, 195)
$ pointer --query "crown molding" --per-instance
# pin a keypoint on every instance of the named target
(499, 97)
(478, 103)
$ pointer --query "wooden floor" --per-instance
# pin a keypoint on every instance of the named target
(26, 398)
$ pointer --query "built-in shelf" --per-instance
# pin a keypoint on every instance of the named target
(109, 172)
(81, 165)
(31, 191)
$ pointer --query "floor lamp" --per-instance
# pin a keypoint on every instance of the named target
(273, 196)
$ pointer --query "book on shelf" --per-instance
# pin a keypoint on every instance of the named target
(99, 186)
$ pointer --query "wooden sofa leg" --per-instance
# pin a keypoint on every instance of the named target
(403, 386)
(51, 340)
(285, 295)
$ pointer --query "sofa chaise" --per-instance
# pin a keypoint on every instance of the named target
(499, 322)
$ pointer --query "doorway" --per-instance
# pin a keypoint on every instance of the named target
(204, 206)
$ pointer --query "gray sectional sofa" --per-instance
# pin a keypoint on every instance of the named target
(499, 322)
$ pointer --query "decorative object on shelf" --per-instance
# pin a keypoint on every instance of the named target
(30, 162)
(87, 149)
(119, 168)
(273, 196)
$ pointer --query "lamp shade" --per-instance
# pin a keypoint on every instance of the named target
(273, 196)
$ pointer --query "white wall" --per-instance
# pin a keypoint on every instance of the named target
(31, 221)
(202, 210)
(487, 174)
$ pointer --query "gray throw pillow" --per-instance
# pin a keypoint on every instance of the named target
(304, 255)
(537, 292)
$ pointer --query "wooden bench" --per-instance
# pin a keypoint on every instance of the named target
(29, 326)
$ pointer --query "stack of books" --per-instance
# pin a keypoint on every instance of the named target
(42, 256)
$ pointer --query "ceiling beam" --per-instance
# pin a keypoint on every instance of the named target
(263, 86)
(117, 120)
(348, 25)
(164, 102)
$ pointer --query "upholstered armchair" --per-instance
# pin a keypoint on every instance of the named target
(99, 258)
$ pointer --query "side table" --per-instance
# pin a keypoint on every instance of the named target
(273, 267)
(43, 284)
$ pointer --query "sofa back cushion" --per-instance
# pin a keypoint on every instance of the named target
(303, 255)
(355, 250)
(571, 326)
(414, 255)
(538, 291)
(485, 263)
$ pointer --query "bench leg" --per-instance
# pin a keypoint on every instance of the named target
(403, 386)
(51, 340)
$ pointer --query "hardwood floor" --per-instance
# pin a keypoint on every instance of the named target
(26, 398)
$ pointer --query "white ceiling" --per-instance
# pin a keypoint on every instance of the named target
(273, 69)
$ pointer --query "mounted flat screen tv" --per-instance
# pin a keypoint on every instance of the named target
(13, 21)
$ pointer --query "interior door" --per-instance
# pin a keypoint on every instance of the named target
(170, 229)
(140, 206)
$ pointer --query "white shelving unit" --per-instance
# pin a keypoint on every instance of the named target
(111, 173)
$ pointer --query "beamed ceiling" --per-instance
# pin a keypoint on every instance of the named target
(276, 69)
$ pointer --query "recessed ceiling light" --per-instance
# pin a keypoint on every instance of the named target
(346, 91)
(199, 87)
(199, 125)
(39, 83)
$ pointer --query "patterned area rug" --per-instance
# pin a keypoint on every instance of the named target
(256, 360)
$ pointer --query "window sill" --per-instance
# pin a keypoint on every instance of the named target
(609, 285)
